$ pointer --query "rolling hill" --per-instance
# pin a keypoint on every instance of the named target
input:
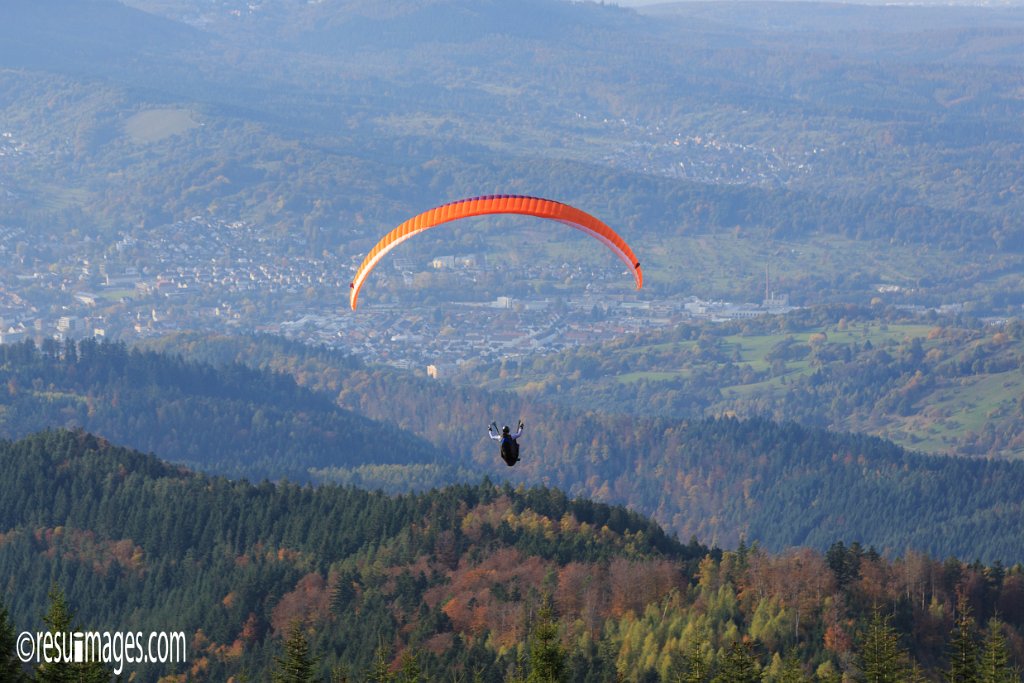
(777, 132)
(232, 420)
(466, 580)
(719, 479)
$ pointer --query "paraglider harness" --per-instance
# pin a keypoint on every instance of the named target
(509, 446)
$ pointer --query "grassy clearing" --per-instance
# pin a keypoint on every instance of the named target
(651, 375)
(115, 295)
(61, 197)
(963, 407)
(156, 124)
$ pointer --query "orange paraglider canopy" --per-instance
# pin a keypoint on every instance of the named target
(491, 204)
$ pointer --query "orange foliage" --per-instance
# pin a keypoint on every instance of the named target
(439, 643)
(84, 547)
(635, 584)
(875, 581)
(469, 600)
(574, 581)
(310, 601)
(233, 651)
(286, 555)
(837, 640)
(199, 641)
(799, 578)
(250, 630)
(493, 514)
(200, 665)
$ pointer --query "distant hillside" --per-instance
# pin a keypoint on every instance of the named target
(355, 114)
(935, 384)
(94, 38)
(718, 479)
(468, 582)
(229, 420)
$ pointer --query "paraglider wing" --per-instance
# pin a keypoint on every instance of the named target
(493, 204)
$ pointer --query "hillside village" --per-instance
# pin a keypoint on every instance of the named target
(219, 276)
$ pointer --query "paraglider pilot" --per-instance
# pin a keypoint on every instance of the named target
(509, 445)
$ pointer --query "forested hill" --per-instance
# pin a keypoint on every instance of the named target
(138, 543)
(232, 420)
(718, 479)
(482, 583)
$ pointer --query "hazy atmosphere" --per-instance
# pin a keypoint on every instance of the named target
(744, 280)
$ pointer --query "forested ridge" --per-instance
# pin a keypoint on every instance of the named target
(481, 582)
(717, 478)
(232, 419)
(137, 543)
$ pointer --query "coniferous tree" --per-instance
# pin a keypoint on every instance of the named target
(697, 667)
(827, 673)
(380, 670)
(738, 665)
(297, 664)
(10, 665)
(517, 671)
(792, 671)
(339, 674)
(409, 668)
(963, 654)
(881, 659)
(916, 674)
(59, 620)
(995, 666)
(547, 656)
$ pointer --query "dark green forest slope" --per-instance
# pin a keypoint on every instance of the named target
(139, 544)
(718, 479)
(230, 420)
(473, 582)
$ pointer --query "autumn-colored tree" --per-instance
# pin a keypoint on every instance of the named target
(574, 580)
(800, 578)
